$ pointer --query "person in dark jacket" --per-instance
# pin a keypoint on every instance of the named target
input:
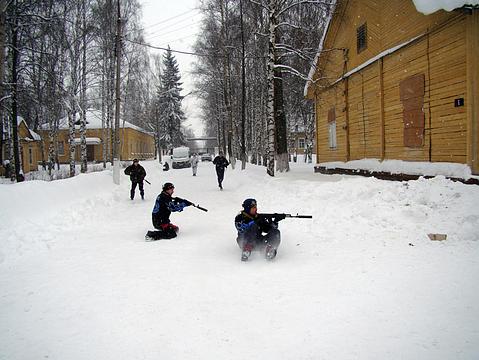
(221, 164)
(251, 227)
(165, 204)
(166, 167)
(137, 175)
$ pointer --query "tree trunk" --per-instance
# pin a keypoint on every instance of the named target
(16, 155)
(273, 21)
(84, 159)
(2, 70)
(282, 157)
(71, 137)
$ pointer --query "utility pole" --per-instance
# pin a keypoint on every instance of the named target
(116, 159)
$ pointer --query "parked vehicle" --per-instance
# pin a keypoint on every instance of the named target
(206, 157)
(180, 158)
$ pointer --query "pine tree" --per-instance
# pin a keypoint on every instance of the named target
(170, 99)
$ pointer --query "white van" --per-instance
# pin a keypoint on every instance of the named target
(180, 158)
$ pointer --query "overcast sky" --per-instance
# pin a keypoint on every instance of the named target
(176, 23)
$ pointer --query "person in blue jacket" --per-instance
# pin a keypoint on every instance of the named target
(251, 227)
(165, 204)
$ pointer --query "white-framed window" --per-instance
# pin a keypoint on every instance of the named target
(301, 143)
(332, 135)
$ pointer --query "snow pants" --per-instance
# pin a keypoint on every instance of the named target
(133, 187)
(273, 238)
(220, 173)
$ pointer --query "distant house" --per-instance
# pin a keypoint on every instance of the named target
(30, 146)
(135, 141)
(299, 141)
(390, 82)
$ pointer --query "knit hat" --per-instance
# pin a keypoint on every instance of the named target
(248, 204)
(168, 186)
(135, 160)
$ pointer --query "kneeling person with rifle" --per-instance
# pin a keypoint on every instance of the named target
(165, 204)
(251, 226)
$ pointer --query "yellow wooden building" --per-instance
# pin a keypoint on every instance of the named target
(30, 146)
(390, 82)
(135, 141)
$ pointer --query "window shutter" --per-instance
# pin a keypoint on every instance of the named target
(331, 115)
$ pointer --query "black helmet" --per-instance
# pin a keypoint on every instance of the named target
(168, 186)
(248, 204)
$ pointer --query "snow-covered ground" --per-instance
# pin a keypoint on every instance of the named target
(361, 280)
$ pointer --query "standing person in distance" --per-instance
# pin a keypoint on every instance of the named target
(251, 226)
(137, 175)
(194, 163)
(221, 164)
(165, 204)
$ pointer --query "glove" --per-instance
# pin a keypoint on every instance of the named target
(176, 207)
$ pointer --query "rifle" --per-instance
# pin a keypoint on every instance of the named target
(190, 203)
(280, 216)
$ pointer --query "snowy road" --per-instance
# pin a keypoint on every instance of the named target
(359, 281)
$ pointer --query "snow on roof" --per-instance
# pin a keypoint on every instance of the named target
(35, 136)
(93, 118)
(312, 70)
(375, 58)
(89, 141)
(430, 6)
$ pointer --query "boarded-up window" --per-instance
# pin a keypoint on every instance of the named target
(332, 128)
(362, 37)
(412, 98)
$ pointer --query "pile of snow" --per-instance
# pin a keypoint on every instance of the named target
(453, 170)
(430, 6)
(361, 280)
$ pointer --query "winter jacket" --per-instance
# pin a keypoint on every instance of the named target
(221, 163)
(137, 173)
(252, 227)
(194, 161)
(164, 206)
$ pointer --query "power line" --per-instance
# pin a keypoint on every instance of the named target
(174, 51)
(174, 30)
(192, 53)
(163, 28)
(171, 18)
(175, 40)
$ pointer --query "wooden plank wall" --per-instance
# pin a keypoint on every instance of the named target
(440, 56)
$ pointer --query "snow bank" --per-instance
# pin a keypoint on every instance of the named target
(454, 170)
(430, 6)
